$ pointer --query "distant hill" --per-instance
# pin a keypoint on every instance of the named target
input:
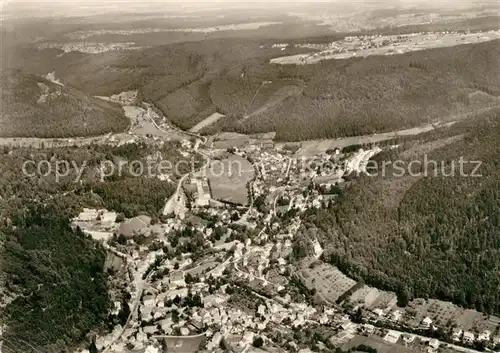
(32, 106)
(356, 96)
(341, 97)
(361, 96)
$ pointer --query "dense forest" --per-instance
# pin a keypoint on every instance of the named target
(35, 107)
(367, 95)
(342, 97)
(189, 81)
(55, 273)
(58, 278)
(123, 192)
(425, 236)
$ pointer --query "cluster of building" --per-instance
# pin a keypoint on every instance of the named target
(87, 47)
(202, 191)
(363, 46)
(462, 326)
(234, 286)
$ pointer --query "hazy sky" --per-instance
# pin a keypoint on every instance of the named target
(89, 7)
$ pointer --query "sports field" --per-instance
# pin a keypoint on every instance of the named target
(229, 178)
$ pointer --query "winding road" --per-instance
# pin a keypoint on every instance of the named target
(141, 283)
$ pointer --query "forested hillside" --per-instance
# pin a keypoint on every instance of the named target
(341, 97)
(425, 236)
(122, 191)
(189, 81)
(58, 278)
(374, 94)
(55, 273)
(33, 106)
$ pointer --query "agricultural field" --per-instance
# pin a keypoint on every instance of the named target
(372, 298)
(328, 281)
(383, 346)
(442, 313)
(229, 177)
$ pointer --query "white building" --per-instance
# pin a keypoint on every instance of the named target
(468, 337)
(427, 321)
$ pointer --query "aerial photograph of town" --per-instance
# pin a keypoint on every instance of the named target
(223, 176)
